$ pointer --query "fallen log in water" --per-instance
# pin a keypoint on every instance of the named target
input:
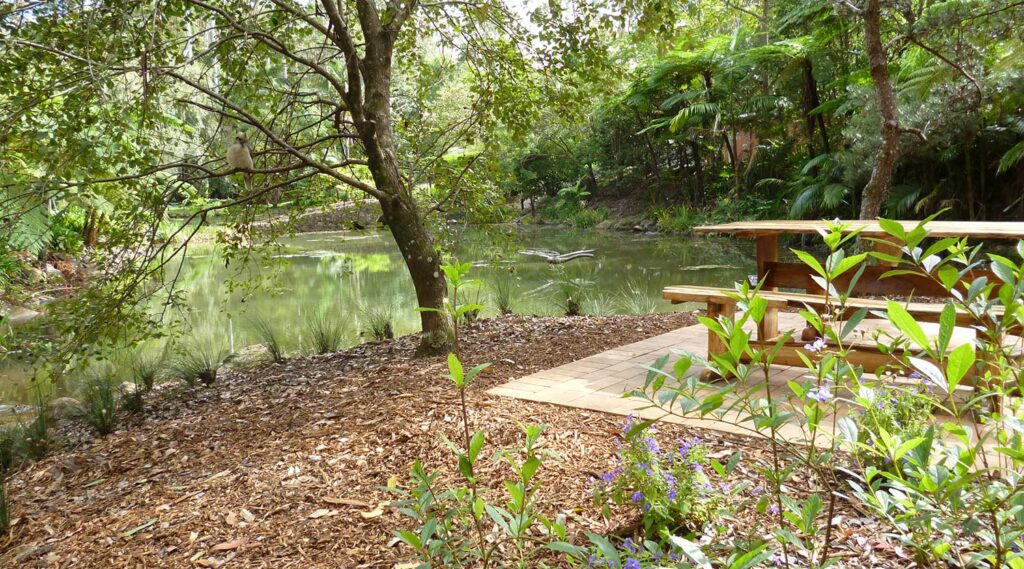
(555, 258)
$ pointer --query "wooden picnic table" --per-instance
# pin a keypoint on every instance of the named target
(775, 275)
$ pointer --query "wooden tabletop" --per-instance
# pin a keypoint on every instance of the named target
(976, 229)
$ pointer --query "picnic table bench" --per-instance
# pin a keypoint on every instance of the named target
(773, 275)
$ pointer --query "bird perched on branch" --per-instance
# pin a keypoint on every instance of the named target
(239, 158)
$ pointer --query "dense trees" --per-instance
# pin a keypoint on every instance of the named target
(820, 107)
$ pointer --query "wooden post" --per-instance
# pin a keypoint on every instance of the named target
(889, 248)
(767, 252)
(715, 344)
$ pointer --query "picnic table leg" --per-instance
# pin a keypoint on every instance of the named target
(767, 252)
(715, 344)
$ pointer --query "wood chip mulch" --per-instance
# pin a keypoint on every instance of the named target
(282, 466)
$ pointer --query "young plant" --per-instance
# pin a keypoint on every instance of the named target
(145, 368)
(326, 332)
(197, 362)
(503, 291)
(379, 321)
(268, 338)
(667, 484)
(99, 401)
(636, 299)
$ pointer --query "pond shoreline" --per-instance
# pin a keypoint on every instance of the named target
(258, 458)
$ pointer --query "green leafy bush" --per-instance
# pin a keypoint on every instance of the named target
(585, 218)
(678, 219)
(902, 412)
(667, 484)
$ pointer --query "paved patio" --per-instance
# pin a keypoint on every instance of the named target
(598, 382)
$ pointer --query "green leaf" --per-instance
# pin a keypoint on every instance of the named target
(905, 323)
(691, 550)
(475, 444)
(455, 371)
(961, 359)
(530, 469)
(810, 261)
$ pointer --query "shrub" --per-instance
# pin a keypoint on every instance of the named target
(667, 484)
(585, 218)
(326, 332)
(37, 432)
(903, 412)
(197, 362)
(956, 493)
(378, 321)
(677, 219)
(268, 338)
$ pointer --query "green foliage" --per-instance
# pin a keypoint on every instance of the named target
(145, 368)
(11, 267)
(678, 219)
(197, 361)
(666, 484)
(943, 487)
(378, 321)
(504, 290)
(588, 217)
(12, 442)
(5, 512)
(99, 401)
(268, 337)
(326, 332)
(635, 298)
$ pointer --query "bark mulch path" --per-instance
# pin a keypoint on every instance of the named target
(282, 466)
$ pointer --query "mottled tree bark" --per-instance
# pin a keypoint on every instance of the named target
(877, 188)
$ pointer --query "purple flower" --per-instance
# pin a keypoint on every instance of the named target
(630, 421)
(672, 495)
(631, 564)
(697, 467)
(629, 545)
(652, 445)
(637, 496)
(821, 394)
(773, 510)
(816, 346)
(669, 479)
(726, 487)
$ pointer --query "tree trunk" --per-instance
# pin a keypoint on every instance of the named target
(400, 212)
(877, 189)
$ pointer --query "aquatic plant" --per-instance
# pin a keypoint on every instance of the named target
(268, 338)
(326, 332)
(98, 405)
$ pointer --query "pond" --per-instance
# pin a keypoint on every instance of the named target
(354, 274)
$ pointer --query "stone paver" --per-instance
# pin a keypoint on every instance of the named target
(598, 382)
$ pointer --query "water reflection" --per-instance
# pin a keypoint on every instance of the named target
(343, 273)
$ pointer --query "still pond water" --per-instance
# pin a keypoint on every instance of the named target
(348, 274)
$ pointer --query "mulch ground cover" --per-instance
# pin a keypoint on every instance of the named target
(282, 466)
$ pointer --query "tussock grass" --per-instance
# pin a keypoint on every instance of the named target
(326, 332)
(503, 293)
(634, 298)
(269, 338)
(99, 403)
(378, 321)
(197, 362)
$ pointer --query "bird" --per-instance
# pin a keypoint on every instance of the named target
(239, 158)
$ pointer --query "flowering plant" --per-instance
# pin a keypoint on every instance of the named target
(903, 412)
(666, 482)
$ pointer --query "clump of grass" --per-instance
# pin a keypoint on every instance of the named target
(503, 291)
(133, 398)
(471, 297)
(36, 434)
(586, 218)
(197, 362)
(99, 402)
(598, 304)
(677, 219)
(11, 446)
(145, 369)
(268, 338)
(326, 332)
(5, 511)
(635, 299)
(572, 292)
(378, 321)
